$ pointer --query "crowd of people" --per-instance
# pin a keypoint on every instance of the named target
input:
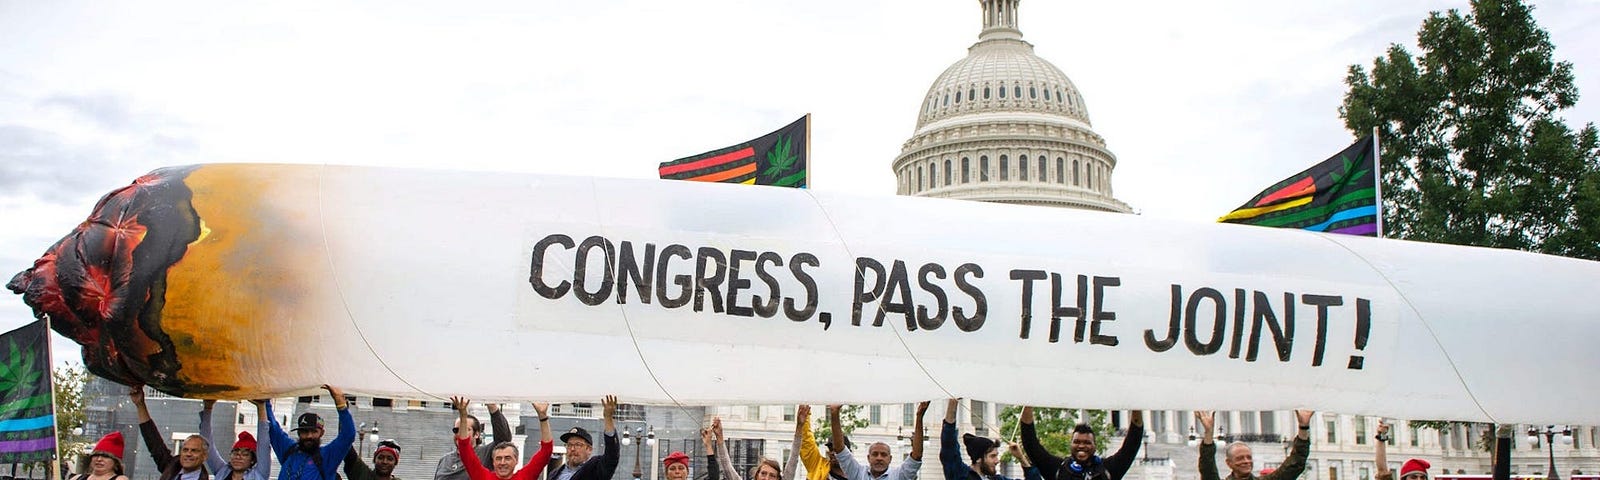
(304, 455)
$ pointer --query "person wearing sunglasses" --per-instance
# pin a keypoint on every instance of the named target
(1413, 469)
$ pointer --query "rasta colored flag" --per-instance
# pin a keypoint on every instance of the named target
(27, 417)
(1339, 195)
(777, 158)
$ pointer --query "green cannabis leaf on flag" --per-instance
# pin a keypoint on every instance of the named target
(781, 158)
(18, 370)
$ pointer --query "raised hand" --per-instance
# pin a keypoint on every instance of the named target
(207, 404)
(922, 408)
(1017, 453)
(460, 404)
(716, 428)
(136, 393)
(1027, 414)
(543, 409)
(339, 401)
(609, 405)
(493, 407)
(1304, 416)
(1207, 419)
(1383, 428)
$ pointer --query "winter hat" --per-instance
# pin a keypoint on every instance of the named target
(110, 444)
(977, 446)
(1415, 465)
(246, 441)
(675, 457)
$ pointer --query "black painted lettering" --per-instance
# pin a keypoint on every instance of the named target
(980, 303)
(1190, 337)
(1027, 277)
(580, 270)
(768, 308)
(931, 322)
(536, 269)
(708, 281)
(737, 283)
(1238, 323)
(628, 268)
(685, 283)
(863, 294)
(1159, 346)
(899, 285)
(804, 313)
(1100, 313)
(1282, 335)
(1059, 311)
(1322, 303)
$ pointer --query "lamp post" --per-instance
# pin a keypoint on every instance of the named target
(1549, 440)
(650, 439)
(363, 433)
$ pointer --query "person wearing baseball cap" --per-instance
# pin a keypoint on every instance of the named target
(384, 457)
(982, 452)
(1413, 469)
(105, 461)
(188, 464)
(505, 453)
(244, 461)
(306, 458)
(579, 462)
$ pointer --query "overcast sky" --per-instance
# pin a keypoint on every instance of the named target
(1203, 103)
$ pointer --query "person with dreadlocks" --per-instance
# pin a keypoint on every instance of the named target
(983, 452)
(307, 458)
(245, 460)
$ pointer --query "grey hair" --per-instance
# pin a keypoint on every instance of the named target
(202, 439)
(1228, 451)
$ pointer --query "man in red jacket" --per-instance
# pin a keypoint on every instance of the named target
(505, 453)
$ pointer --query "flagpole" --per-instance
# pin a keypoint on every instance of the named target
(809, 163)
(55, 424)
(1377, 170)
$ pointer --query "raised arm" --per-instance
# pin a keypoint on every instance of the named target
(849, 467)
(347, 432)
(1040, 457)
(157, 446)
(949, 450)
(540, 458)
(282, 445)
(1029, 471)
(263, 441)
(214, 460)
(1119, 463)
(810, 455)
(1380, 453)
(724, 461)
(836, 432)
(1208, 446)
(711, 455)
(1295, 462)
(502, 428)
(355, 468)
(917, 435)
(608, 461)
(463, 440)
(791, 465)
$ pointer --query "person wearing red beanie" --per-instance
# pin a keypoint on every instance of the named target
(1413, 469)
(245, 460)
(105, 461)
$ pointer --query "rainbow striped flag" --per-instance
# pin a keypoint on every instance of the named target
(777, 158)
(1339, 195)
(27, 416)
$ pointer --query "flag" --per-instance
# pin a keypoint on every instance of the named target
(27, 417)
(777, 158)
(1339, 195)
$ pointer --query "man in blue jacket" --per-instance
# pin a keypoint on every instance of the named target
(306, 458)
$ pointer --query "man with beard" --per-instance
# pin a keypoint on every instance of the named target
(384, 459)
(450, 466)
(306, 458)
(983, 452)
(878, 457)
(1084, 463)
(1241, 463)
(505, 453)
(579, 464)
(190, 462)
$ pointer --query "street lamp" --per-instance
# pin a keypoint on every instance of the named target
(650, 439)
(1549, 437)
(368, 433)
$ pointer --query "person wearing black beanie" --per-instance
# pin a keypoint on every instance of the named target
(983, 453)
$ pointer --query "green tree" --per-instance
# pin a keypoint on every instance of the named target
(849, 420)
(70, 410)
(1054, 426)
(1473, 150)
